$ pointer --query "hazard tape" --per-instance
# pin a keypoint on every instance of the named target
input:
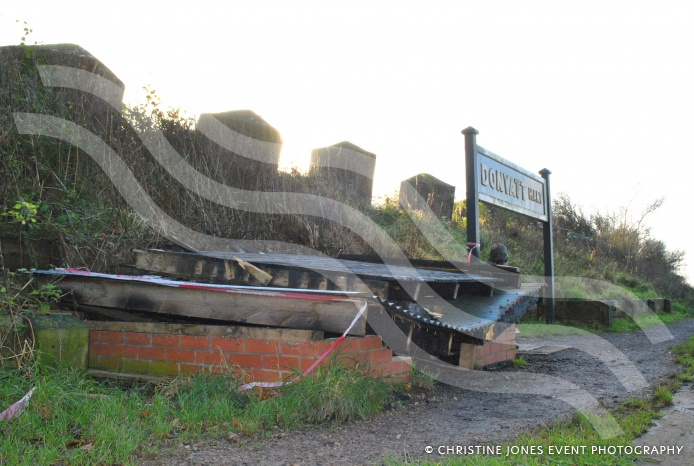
(310, 368)
(17, 408)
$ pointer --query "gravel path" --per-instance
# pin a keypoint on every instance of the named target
(610, 368)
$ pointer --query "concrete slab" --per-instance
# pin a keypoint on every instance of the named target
(674, 429)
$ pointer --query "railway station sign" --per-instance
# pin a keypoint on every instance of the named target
(506, 185)
(492, 179)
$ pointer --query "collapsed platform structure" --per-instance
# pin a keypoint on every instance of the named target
(440, 308)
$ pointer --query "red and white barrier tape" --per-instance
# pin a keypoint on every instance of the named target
(471, 247)
(17, 408)
(313, 366)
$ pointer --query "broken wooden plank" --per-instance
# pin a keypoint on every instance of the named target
(208, 268)
(340, 272)
(507, 276)
(113, 314)
(329, 311)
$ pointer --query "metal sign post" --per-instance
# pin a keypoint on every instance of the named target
(472, 193)
(494, 180)
(549, 251)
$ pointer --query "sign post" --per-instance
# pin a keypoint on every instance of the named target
(549, 251)
(497, 181)
(472, 194)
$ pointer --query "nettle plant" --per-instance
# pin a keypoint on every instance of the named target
(23, 212)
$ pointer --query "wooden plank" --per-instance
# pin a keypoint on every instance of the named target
(208, 269)
(508, 276)
(334, 269)
(114, 314)
(309, 310)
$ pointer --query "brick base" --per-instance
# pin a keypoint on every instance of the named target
(256, 354)
(501, 349)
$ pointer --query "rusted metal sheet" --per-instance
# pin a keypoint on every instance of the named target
(468, 319)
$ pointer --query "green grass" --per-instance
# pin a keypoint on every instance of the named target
(66, 424)
(627, 324)
(538, 327)
(520, 362)
(633, 416)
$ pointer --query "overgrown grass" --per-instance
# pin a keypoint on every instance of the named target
(73, 419)
(633, 416)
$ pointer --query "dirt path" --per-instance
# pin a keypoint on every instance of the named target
(610, 368)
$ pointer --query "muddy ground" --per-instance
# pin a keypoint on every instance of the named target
(450, 416)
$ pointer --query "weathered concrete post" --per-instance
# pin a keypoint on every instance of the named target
(349, 168)
(439, 196)
(239, 147)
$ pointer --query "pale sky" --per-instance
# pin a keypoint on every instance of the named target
(599, 92)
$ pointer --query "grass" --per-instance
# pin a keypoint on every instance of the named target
(73, 419)
(538, 327)
(626, 324)
(633, 416)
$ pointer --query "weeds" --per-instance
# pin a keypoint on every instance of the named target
(520, 362)
(72, 419)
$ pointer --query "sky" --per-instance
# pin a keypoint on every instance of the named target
(599, 92)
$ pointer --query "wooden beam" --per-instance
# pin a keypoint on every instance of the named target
(283, 308)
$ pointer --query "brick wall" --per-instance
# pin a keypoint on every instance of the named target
(501, 349)
(262, 355)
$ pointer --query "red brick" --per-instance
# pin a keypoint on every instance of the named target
(193, 342)
(245, 360)
(485, 349)
(124, 351)
(164, 368)
(363, 358)
(100, 349)
(111, 337)
(94, 336)
(256, 345)
(511, 354)
(108, 364)
(503, 347)
(501, 356)
(189, 369)
(209, 357)
(180, 355)
(146, 352)
(370, 342)
(93, 361)
(227, 344)
(306, 348)
(142, 339)
(348, 345)
(135, 365)
(489, 360)
(381, 355)
(305, 363)
(396, 370)
(166, 340)
(285, 363)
